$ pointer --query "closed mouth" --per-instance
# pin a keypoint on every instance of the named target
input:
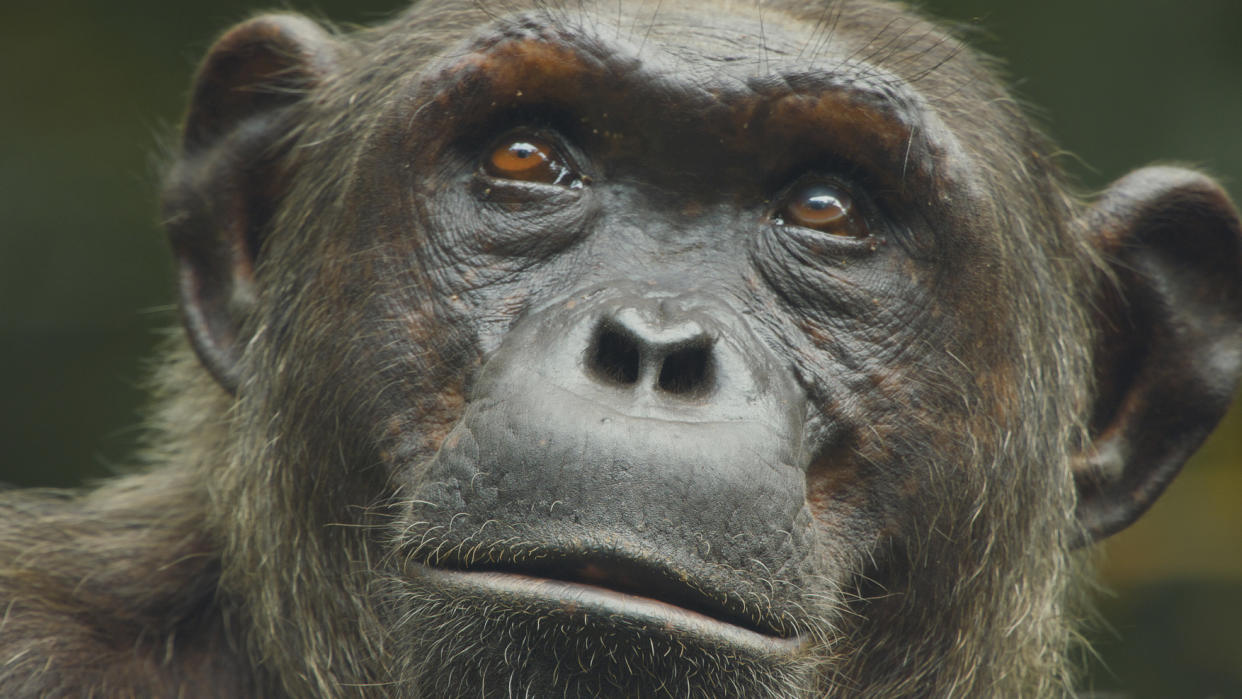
(657, 603)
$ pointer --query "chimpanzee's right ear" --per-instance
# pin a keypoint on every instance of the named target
(225, 185)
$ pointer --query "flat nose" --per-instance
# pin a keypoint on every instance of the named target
(624, 353)
(643, 351)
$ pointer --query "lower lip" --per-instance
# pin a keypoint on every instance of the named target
(644, 610)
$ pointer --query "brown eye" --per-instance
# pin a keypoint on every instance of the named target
(529, 159)
(823, 207)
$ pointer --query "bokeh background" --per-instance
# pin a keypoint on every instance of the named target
(91, 91)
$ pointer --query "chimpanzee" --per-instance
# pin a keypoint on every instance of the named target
(682, 349)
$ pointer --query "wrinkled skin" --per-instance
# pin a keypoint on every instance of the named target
(699, 351)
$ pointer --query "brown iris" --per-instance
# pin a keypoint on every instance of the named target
(529, 159)
(823, 207)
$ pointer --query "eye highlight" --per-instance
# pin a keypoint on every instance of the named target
(823, 207)
(530, 159)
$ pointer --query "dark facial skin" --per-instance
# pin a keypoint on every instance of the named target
(713, 352)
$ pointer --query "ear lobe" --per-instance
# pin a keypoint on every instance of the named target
(221, 192)
(1170, 351)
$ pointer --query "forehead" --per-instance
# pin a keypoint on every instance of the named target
(730, 41)
(737, 39)
(718, 44)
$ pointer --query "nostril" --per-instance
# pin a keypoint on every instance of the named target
(686, 371)
(674, 359)
(615, 356)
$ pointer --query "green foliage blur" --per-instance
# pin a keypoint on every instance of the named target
(91, 92)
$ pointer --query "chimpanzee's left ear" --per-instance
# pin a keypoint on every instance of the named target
(221, 194)
(1170, 352)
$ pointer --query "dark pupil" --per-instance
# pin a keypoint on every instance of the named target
(524, 150)
(822, 202)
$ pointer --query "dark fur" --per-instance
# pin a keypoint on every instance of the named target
(260, 552)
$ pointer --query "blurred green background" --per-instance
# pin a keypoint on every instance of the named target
(89, 92)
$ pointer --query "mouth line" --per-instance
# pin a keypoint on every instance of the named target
(607, 602)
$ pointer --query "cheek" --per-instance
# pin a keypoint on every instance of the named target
(836, 491)
(397, 347)
(892, 443)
